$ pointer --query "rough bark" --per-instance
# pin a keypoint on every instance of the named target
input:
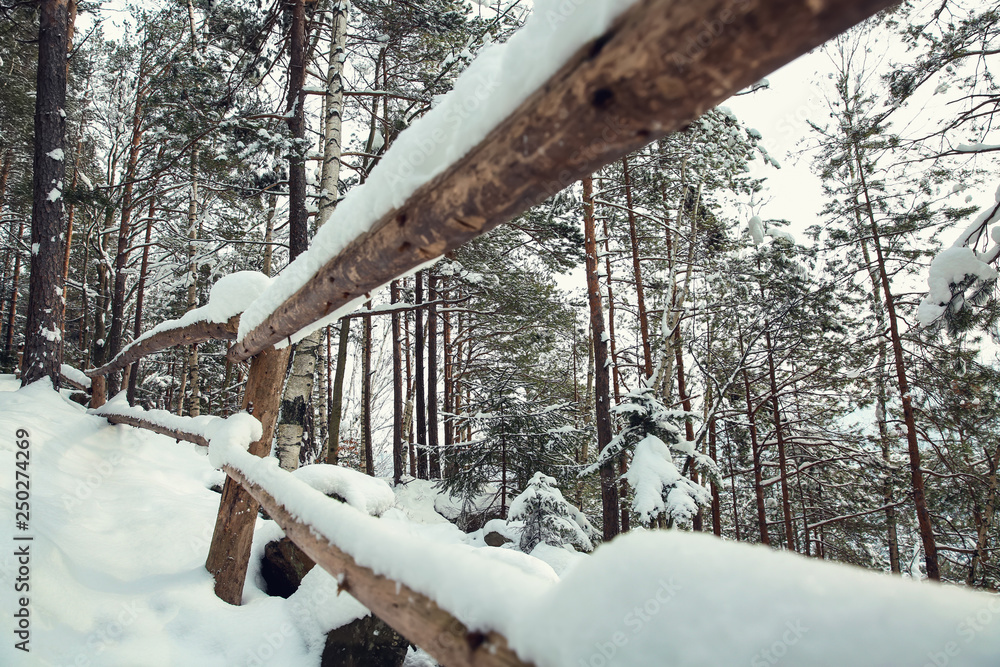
(298, 232)
(294, 431)
(333, 110)
(625, 89)
(42, 341)
(229, 552)
(296, 406)
(272, 204)
(602, 408)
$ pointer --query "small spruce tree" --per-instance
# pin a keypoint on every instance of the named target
(660, 488)
(549, 518)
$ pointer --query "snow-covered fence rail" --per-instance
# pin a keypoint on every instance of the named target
(660, 65)
(192, 334)
(413, 615)
(157, 421)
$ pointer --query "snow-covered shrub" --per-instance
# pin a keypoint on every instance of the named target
(654, 436)
(549, 518)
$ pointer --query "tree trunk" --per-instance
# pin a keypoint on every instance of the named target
(366, 394)
(194, 382)
(615, 372)
(881, 398)
(758, 478)
(272, 204)
(229, 552)
(139, 297)
(418, 348)
(986, 523)
(609, 490)
(779, 436)
(449, 422)
(408, 409)
(114, 344)
(682, 394)
(293, 431)
(8, 342)
(433, 459)
(296, 406)
(12, 246)
(298, 233)
(194, 408)
(397, 390)
(333, 111)
(42, 347)
(72, 209)
(647, 356)
(709, 400)
(916, 475)
(337, 405)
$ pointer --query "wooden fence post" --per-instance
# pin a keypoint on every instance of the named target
(229, 552)
(98, 391)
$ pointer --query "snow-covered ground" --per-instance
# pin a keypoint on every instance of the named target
(121, 521)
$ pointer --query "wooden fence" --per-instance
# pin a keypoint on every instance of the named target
(661, 65)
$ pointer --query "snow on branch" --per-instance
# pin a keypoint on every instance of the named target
(959, 273)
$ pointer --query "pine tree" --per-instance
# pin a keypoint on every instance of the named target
(549, 518)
